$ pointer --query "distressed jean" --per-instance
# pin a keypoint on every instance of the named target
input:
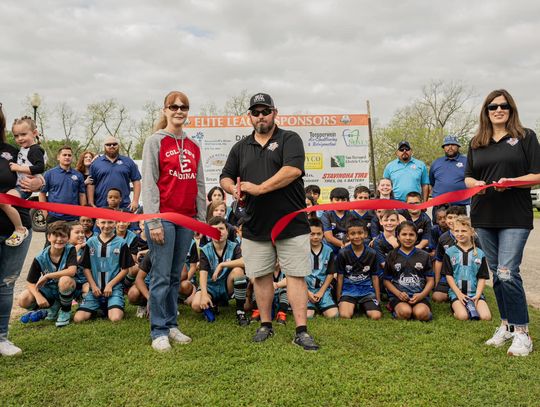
(167, 262)
(504, 252)
(11, 263)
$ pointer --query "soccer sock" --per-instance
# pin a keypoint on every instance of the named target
(66, 298)
(300, 329)
(240, 287)
(266, 324)
(283, 304)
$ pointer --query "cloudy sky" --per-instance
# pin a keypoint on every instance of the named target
(312, 56)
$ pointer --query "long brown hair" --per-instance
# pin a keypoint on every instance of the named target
(212, 207)
(485, 129)
(169, 99)
(80, 163)
(2, 126)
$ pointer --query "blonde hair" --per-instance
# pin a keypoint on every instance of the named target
(25, 120)
(169, 99)
(466, 221)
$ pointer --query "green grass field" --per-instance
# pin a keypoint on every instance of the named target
(361, 363)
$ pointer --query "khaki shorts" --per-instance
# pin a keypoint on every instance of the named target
(292, 254)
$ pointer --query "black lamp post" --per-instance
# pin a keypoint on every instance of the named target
(35, 101)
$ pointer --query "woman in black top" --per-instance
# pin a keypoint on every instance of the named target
(501, 150)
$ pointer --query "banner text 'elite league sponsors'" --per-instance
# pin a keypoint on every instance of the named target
(336, 145)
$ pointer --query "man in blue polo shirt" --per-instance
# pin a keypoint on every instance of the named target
(63, 184)
(447, 173)
(112, 170)
(407, 173)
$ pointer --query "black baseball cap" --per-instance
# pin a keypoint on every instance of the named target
(262, 99)
(403, 143)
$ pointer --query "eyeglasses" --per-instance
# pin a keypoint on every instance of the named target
(402, 149)
(111, 144)
(174, 108)
(494, 106)
(264, 112)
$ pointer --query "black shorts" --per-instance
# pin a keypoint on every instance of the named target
(366, 303)
(442, 287)
(394, 301)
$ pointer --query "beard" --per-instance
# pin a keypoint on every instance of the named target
(263, 128)
(451, 154)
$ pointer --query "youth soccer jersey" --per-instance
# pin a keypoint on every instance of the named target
(322, 264)
(382, 247)
(466, 267)
(338, 225)
(132, 241)
(43, 264)
(209, 260)
(106, 259)
(423, 225)
(446, 240)
(357, 271)
(408, 272)
(366, 217)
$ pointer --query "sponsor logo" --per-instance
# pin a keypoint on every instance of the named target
(410, 281)
(313, 161)
(273, 146)
(337, 161)
(239, 137)
(322, 139)
(7, 156)
(354, 139)
(216, 160)
(345, 119)
(199, 136)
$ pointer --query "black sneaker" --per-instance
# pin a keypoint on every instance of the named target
(262, 334)
(306, 341)
(242, 319)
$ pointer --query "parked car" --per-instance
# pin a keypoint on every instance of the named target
(535, 196)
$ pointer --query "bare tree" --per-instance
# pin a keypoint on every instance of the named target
(209, 109)
(144, 127)
(237, 105)
(107, 118)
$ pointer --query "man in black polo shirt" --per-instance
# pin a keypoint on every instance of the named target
(270, 166)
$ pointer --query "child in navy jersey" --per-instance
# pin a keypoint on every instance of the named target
(358, 282)
(420, 219)
(408, 276)
(335, 222)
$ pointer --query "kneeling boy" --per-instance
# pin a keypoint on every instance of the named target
(106, 261)
(221, 273)
(50, 279)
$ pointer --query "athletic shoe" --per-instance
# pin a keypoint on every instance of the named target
(161, 344)
(178, 337)
(7, 348)
(306, 341)
(52, 312)
(521, 345)
(262, 334)
(141, 312)
(500, 336)
(63, 318)
(242, 319)
(255, 315)
(281, 318)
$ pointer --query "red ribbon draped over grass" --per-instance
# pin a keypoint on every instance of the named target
(448, 197)
(103, 213)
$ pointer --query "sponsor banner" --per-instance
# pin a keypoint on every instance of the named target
(336, 145)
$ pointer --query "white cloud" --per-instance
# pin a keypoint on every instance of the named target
(317, 56)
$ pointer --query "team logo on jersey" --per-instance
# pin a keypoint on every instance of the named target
(74, 177)
(419, 266)
(7, 156)
(459, 165)
(119, 162)
(273, 146)
(420, 231)
(92, 251)
(446, 246)
(366, 269)
(512, 141)
(116, 251)
(397, 266)
(453, 260)
(477, 261)
(413, 166)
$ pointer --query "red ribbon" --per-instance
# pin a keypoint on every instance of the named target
(103, 213)
(448, 197)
